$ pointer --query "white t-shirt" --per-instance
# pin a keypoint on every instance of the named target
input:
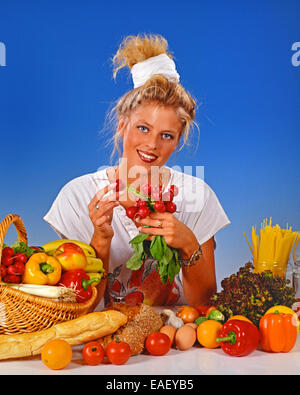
(197, 207)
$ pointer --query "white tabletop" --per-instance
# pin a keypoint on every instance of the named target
(195, 361)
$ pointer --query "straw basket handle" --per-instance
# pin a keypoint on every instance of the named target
(19, 225)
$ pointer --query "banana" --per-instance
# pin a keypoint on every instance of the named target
(94, 265)
(50, 247)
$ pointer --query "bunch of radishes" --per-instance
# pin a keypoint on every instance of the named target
(12, 265)
(152, 198)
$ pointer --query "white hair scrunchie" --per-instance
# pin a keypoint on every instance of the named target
(161, 64)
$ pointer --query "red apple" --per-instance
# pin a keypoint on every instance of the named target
(71, 256)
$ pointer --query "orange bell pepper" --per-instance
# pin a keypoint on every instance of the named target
(278, 332)
(42, 269)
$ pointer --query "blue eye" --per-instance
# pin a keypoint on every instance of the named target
(169, 136)
(143, 128)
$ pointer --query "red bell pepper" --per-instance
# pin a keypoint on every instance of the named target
(238, 338)
(80, 281)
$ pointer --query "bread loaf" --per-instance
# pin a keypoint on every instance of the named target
(78, 331)
(142, 321)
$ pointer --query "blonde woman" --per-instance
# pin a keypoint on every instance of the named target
(153, 119)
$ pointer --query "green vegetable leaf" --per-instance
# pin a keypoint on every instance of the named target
(135, 262)
(163, 272)
(168, 256)
(21, 246)
(139, 238)
(157, 248)
(168, 265)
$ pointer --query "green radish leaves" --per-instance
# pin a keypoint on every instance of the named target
(168, 265)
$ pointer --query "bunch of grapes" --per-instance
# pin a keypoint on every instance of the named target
(152, 198)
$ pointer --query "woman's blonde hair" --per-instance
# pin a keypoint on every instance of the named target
(158, 89)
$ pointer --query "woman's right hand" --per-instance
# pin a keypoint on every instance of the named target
(101, 212)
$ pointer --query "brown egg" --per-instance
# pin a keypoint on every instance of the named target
(185, 337)
(192, 325)
(169, 331)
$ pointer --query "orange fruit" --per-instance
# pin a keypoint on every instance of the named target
(207, 332)
(56, 354)
(239, 317)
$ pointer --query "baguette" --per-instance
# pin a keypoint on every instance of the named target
(78, 331)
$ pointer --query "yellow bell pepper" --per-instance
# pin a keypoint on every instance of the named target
(42, 269)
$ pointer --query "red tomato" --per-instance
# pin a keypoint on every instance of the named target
(93, 353)
(118, 352)
(158, 343)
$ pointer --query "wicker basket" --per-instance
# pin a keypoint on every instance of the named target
(21, 312)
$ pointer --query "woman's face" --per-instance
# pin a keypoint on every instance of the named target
(150, 135)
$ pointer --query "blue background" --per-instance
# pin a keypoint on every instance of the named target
(234, 57)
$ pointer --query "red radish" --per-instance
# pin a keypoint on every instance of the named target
(174, 190)
(146, 189)
(12, 278)
(160, 206)
(19, 268)
(142, 203)
(3, 271)
(7, 251)
(7, 260)
(171, 207)
(157, 192)
(167, 196)
(20, 257)
(143, 212)
(131, 211)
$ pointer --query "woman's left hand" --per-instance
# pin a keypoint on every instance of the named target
(175, 232)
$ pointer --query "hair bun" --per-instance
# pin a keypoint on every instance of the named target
(136, 49)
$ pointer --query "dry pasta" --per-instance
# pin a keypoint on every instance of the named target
(271, 251)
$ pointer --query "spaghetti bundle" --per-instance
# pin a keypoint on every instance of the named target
(272, 250)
